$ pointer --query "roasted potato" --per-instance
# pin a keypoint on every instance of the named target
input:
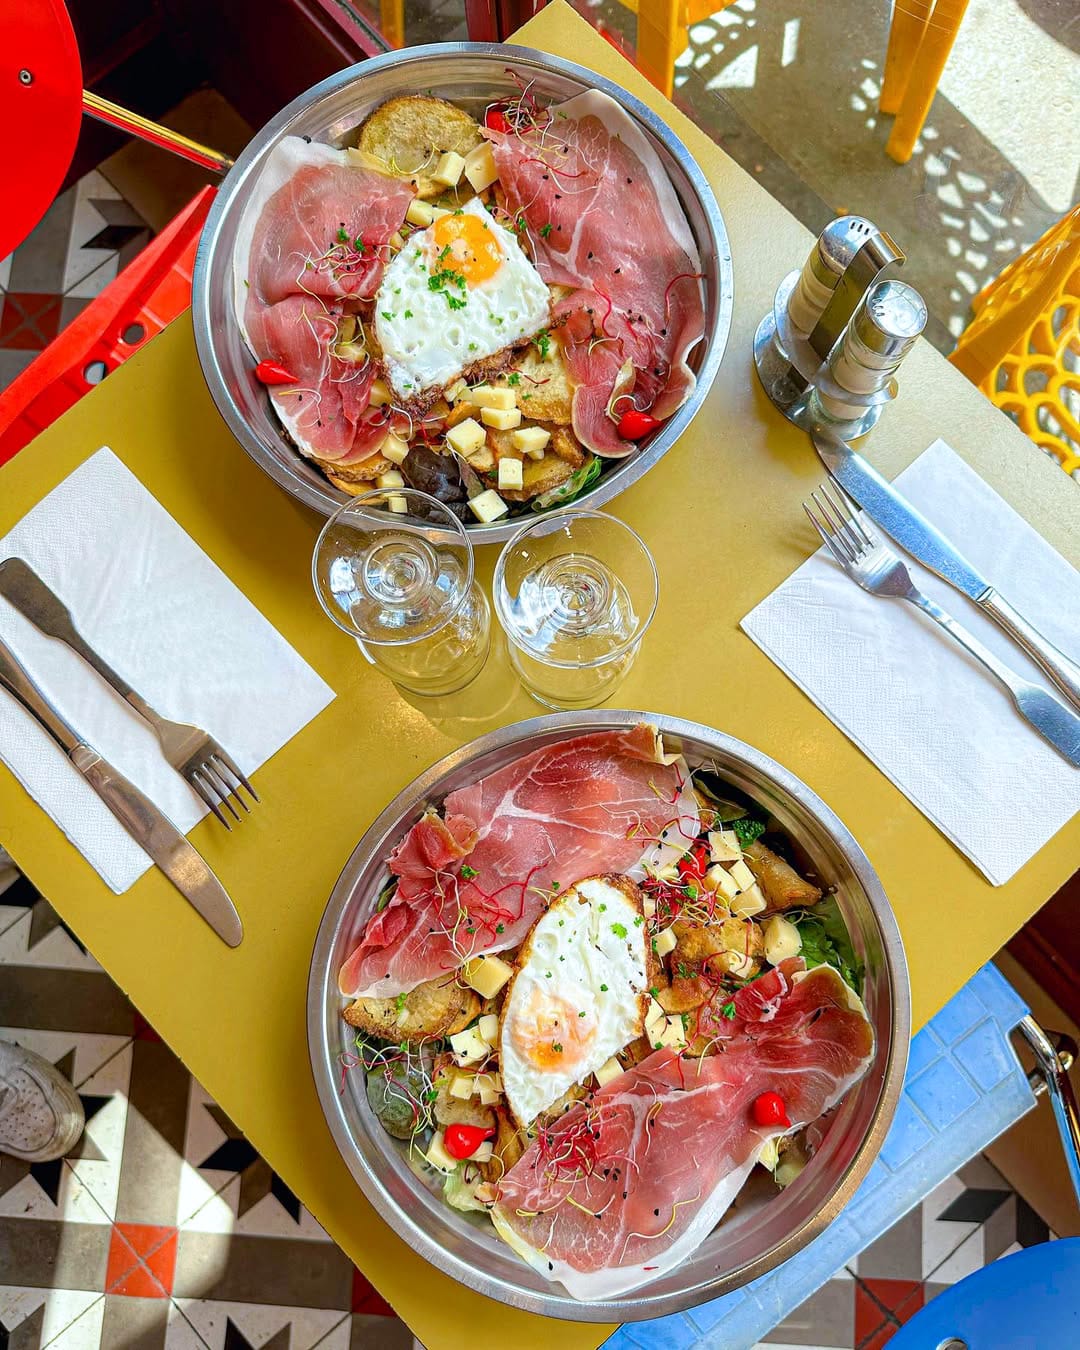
(782, 886)
(509, 1144)
(406, 136)
(450, 1110)
(436, 1008)
(685, 993)
(546, 383)
(355, 478)
(573, 1094)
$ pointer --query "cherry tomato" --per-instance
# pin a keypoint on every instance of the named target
(692, 868)
(633, 425)
(462, 1141)
(495, 120)
(769, 1109)
(270, 372)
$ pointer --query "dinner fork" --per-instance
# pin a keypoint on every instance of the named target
(192, 752)
(872, 564)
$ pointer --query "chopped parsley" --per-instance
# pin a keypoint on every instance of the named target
(601, 907)
(515, 378)
(581, 1014)
(545, 230)
(639, 920)
(408, 315)
(387, 314)
(469, 872)
(543, 343)
(472, 346)
(603, 988)
(691, 892)
(556, 1047)
(728, 1011)
(441, 280)
(500, 928)
(399, 1002)
(619, 929)
(342, 236)
(555, 885)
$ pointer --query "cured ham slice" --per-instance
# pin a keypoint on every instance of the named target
(623, 1188)
(477, 880)
(605, 221)
(312, 242)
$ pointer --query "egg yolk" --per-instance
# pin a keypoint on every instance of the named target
(463, 243)
(551, 1034)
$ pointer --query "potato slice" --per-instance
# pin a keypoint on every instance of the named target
(543, 388)
(436, 1008)
(510, 1144)
(783, 887)
(408, 137)
(451, 1110)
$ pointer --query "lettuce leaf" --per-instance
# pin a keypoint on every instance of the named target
(574, 486)
(826, 941)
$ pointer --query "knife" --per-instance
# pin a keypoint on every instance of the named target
(148, 826)
(889, 508)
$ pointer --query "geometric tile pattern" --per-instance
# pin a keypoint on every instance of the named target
(85, 239)
(163, 1229)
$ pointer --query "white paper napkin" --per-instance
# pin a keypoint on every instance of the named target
(146, 597)
(942, 729)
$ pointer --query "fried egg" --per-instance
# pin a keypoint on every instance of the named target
(579, 994)
(458, 292)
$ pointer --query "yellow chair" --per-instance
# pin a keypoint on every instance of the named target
(662, 28)
(920, 39)
(1023, 347)
(392, 22)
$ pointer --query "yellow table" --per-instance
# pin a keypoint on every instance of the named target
(723, 508)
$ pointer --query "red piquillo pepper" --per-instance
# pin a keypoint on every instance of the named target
(769, 1109)
(271, 372)
(633, 425)
(495, 120)
(692, 867)
(462, 1141)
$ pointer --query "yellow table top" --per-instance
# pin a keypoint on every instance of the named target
(722, 507)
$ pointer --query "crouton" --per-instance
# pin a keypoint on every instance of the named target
(406, 137)
(438, 1007)
(782, 885)
(546, 382)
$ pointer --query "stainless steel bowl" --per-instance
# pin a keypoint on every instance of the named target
(759, 1234)
(472, 74)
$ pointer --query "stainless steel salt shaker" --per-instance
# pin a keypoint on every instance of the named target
(879, 336)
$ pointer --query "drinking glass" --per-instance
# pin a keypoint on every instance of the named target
(394, 568)
(574, 592)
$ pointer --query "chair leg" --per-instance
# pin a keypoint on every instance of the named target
(941, 31)
(909, 20)
(392, 21)
(661, 37)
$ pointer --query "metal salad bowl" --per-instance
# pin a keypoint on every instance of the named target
(472, 74)
(765, 1228)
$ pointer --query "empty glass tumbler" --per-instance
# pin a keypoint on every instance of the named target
(574, 593)
(394, 568)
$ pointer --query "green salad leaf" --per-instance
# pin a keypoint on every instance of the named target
(574, 486)
(826, 941)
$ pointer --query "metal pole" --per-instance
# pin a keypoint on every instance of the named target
(1062, 1097)
(146, 130)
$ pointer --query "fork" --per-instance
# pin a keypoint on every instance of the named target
(872, 564)
(191, 751)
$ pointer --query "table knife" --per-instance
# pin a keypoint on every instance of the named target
(889, 508)
(146, 824)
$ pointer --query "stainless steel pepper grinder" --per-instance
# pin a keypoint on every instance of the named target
(838, 329)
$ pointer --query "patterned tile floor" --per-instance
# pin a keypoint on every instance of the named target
(165, 1230)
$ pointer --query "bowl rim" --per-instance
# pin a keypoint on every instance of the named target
(638, 1305)
(326, 499)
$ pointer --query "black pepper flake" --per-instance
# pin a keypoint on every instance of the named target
(590, 253)
(550, 1266)
(629, 180)
(656, 1212)
(544, 177)
(306, 140)
(618, 270)
(625, 1194)
(558, 196)
(596, 1216)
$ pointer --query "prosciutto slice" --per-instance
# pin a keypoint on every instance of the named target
(605, 221)
(311, 242)
(582, 806)
(623, 1188)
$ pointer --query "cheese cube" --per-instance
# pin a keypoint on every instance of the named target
(488, 506)
(461, 1085)
(488, 1096)
(742, 876)
(724, 846)
(782, 939)
(653, 1015)
(394, 449)
(390, 479)
(380, 394)
(531, 441)
(395, 241)
(456, 390)
(489, 1028)
(469, 1047)
(397, 504)
(665, 942)
(487, 974)
(480, 170)
(437, 1155)
(467, 435)
(487, 1082)
(510, 475)
(449, 168)
(720, 880)
(419, 213)
(749, 902)
(485, 396)
(483, 1152)
(355, 353)
(437, 212)
(608, 1071)
(648, 907)
(502, 419)
(673, 1033)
